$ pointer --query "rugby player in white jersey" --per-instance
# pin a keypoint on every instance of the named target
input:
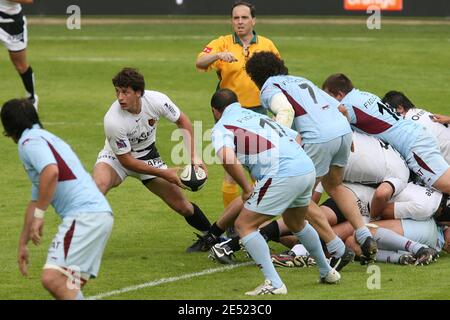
(371, 162)
(404, 106)
(416, 219)
(375, 162)
(413, 232)
(14, 35)
(130, 149)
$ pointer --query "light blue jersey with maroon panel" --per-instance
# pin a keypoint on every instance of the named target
(265, 147)
(317, 117)
(369, 115)
(76, 191)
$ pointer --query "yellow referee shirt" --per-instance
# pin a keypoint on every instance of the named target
(233, 75)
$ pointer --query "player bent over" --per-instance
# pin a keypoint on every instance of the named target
(130, 148)
(58, 178)
(285, 179)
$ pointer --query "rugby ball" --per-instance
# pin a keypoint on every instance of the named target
(193, 179)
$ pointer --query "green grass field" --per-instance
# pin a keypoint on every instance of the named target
(73, 73)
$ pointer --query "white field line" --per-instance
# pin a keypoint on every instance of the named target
(167, 280)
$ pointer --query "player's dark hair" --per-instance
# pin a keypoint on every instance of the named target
(263, 65)
(247, 4)
(129, 77)
(338, 82)
(18, 115)
(397, 98)
(222, 98)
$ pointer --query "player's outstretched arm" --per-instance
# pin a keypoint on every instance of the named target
(234, 168)
(204, 61)
(169, 174)
(441, 119)
(344, 111)
(184, 123)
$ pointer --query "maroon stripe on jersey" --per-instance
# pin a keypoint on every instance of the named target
(65, 173)
(25, 141)
(369, 124)
(298, 109)
(68, 238)
(263, 190)
(247, 142)
(422, 163)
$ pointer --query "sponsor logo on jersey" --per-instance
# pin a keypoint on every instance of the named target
(207, 50)
(121, 144)
(171, 108)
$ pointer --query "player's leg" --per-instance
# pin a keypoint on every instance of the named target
(230, 190)
(389, 237)
(294, 218)
(247, 227)
(212, 236)
(108, 171)
(344, 198)
(59, 285)
(341, 227)
(175, 199)
(18, 55)
(19, 60)
(75, 253)
(105, 177)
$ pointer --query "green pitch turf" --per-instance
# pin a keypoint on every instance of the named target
(73, 73)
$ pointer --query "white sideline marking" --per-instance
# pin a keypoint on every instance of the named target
(167, 280)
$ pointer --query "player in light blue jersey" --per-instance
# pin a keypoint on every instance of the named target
(285, 178)
(58, 178)
(367, 113)
(326, 138)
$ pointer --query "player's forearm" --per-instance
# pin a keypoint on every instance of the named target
(48, 180)
(25, 234)
(233, 167)
(441, 119)
(138, 166)
(236, 171)
(204, 61)
(188, 136)
(388, 212)
(380, 199)
(344, 111)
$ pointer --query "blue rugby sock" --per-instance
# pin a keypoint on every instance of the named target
(310, 239)
(258, 249)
